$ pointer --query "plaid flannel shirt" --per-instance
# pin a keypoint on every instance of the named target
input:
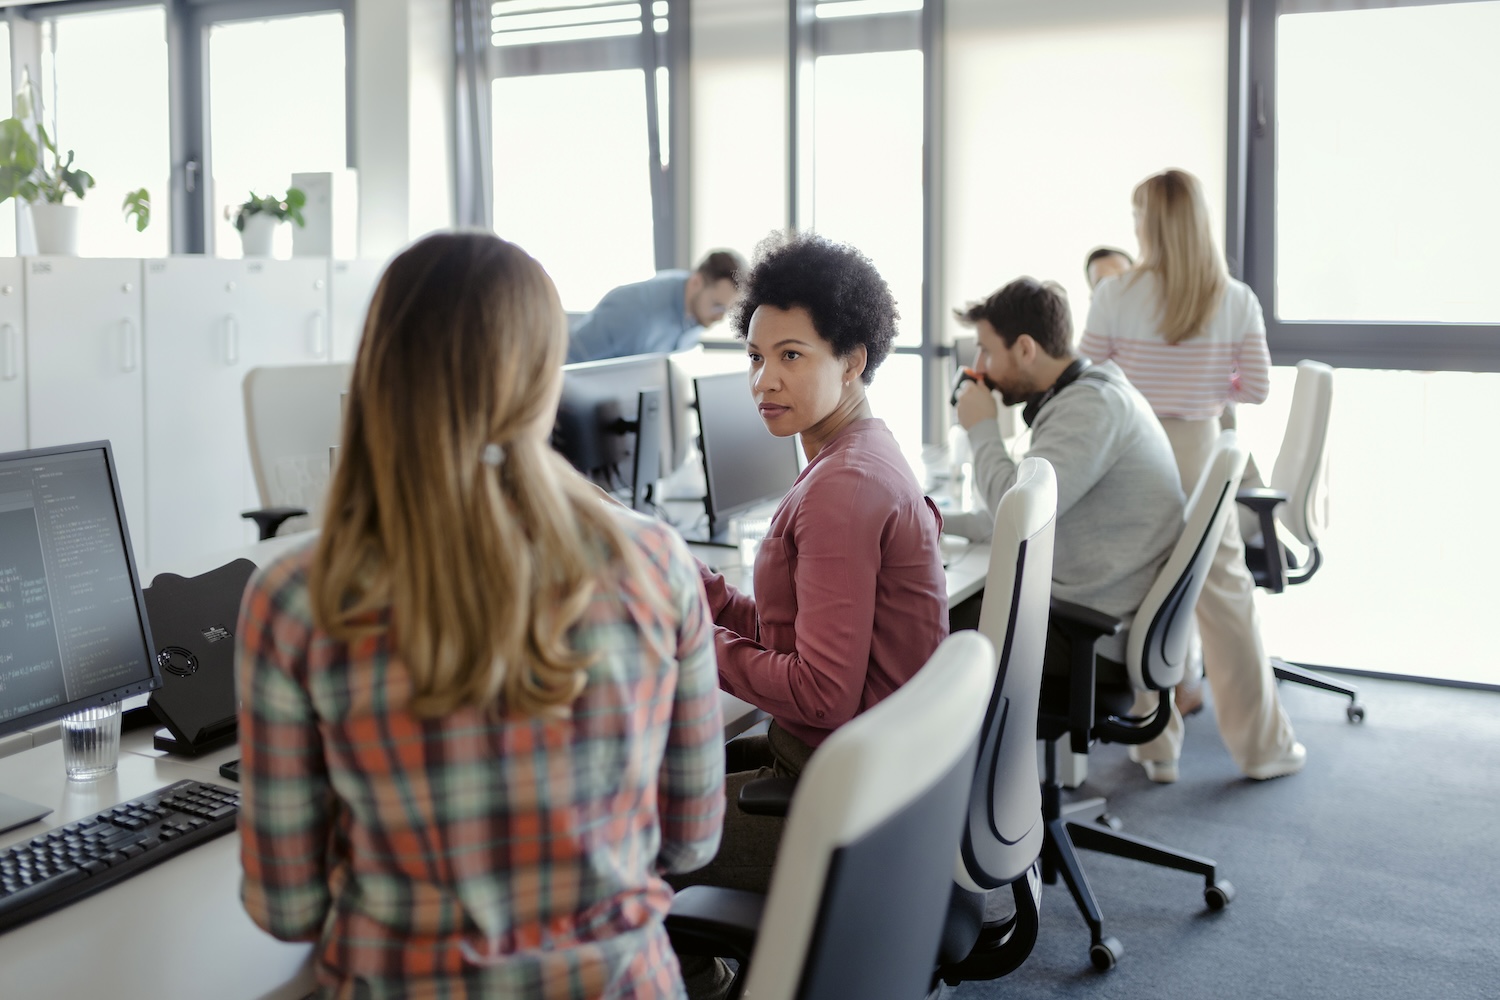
(466, 857)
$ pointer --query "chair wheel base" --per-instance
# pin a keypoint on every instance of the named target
(1355, 712)
(1219, 895)
(1104, 953)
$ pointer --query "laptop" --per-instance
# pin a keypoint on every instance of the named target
(192, 622)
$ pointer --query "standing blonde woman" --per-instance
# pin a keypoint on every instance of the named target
(480, 713)
(1192, 339)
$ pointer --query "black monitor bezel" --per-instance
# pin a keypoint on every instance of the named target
(39, 718)
(669, 397)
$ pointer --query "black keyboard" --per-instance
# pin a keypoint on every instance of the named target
(73, 861)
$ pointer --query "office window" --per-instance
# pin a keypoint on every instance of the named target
(867, 173)
(1054, 113)
(8, 212)
(739, 114)
(896, 399)
(577, 197)
(276, 107)
(104, 92)
(1386, 145)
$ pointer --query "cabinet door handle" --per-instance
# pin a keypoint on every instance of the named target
(12, 368)
(129, 350)
(316, 342)
(231, 341)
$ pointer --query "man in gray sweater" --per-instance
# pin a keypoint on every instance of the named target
(1119, 502)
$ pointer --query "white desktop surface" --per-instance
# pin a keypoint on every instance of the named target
(176, 930)
(179, 929)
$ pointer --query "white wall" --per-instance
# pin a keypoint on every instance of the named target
(1055, 112)
(403, 112)
(739, 78)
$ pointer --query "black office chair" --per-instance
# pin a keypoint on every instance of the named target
(1297, 501)
(1108, 665)
(1002, 841)
(865, 868)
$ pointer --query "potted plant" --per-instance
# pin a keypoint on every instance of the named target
(24, 174)
(256, 218)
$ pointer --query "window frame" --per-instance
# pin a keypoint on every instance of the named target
(1251, 226)
(669, 50)
(809, 38)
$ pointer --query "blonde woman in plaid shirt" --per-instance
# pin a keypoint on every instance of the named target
(480, 712)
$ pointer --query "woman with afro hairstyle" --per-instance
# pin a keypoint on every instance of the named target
(850, 598)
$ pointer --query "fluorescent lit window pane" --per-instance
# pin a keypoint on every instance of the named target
(664, 112)
(896, 397)
(861, 8)
(110, 107)
(738, 134)
(1055, 112)
(867, 187)
(276, 106)
(559, 18)
(1387, 141)
(612, 29)
(578, 199)
(8, 210)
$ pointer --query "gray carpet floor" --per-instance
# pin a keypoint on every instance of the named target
(1371, 874)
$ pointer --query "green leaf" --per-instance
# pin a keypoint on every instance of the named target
(138, 204)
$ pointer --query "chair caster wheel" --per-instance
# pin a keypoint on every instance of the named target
(1219, 895)
(1356, 712)
(1110, 820)
(1104, 954)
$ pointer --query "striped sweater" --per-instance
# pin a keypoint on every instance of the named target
(1226, 362)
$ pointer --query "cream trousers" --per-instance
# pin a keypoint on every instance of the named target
(1251, 720)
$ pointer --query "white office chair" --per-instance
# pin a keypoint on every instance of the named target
(1297, 502)
(865, 867)
(293, 416)
(1108, 666)
(1002, 841)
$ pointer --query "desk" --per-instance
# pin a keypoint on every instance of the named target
(179, 930)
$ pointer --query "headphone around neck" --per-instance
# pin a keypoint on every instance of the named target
(1069, 375)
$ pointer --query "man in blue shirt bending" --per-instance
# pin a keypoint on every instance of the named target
(664, 313)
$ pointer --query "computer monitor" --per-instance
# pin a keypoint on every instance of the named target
(744, 465)
(73, 627)
(597, 426)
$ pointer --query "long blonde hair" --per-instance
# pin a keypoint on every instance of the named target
(451, 524)
(1177, 246)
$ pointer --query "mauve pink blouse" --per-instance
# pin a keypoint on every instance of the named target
(850, 598)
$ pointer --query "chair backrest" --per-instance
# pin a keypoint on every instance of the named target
(292, 417)
(1301, 470)
(1156, 649)
(1004, 833)
(863, 875)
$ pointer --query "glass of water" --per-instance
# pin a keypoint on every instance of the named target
(91, 742)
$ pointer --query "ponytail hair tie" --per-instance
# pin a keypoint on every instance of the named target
(493, 455)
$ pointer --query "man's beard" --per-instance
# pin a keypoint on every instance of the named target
(1010, 396)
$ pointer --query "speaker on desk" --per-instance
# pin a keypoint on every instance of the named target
(192, 623)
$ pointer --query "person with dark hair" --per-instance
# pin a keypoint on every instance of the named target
(1106, 262)
(849, 598)
(1119, 503)
(666, 312)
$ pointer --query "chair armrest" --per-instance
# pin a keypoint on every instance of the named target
(1075, 619)
(767, 796)
(709, 920)
(1083, 627)
(1259, 498)
(1267, 563)
(270, 519)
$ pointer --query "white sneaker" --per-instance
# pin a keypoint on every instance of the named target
(1163, 772)
(1288, 763)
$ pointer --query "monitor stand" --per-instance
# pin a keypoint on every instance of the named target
(717, 534)
(16, 812)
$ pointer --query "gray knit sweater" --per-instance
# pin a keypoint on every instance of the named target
(1119, 502)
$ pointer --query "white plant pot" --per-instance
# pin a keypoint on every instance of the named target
(56, 228)
(259, 233)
